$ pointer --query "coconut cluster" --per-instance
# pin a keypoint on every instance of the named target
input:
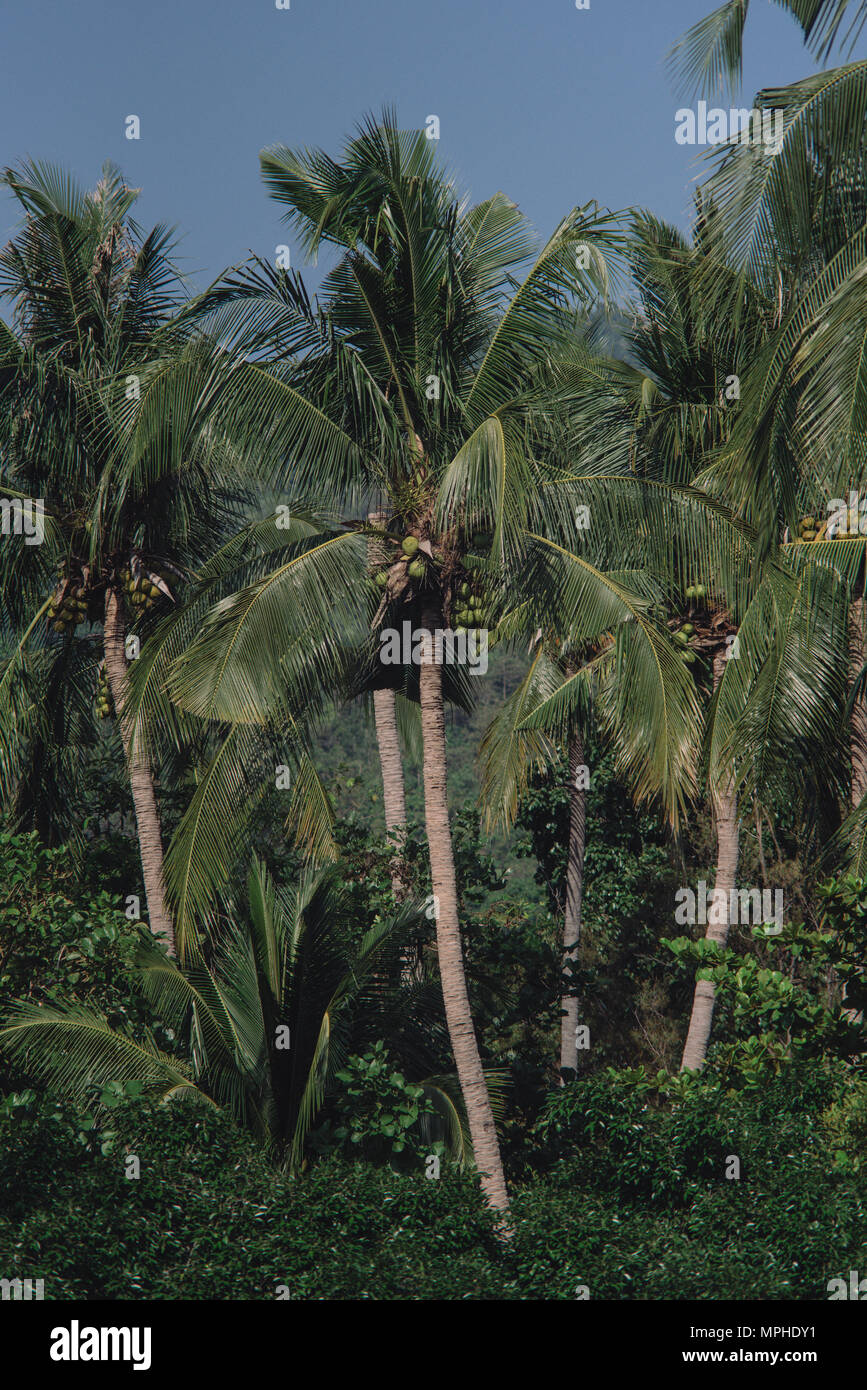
(470, 600)
(682, 637)
(102, 699)
(807, 528)
(470, 606)
(142, 592)
(684, 632)
(416, 567)
(68, 606)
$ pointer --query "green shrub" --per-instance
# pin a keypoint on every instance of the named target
(210, 1219)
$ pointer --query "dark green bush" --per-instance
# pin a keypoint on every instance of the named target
(210, 1219)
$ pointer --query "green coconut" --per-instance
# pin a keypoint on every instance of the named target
(409, 545)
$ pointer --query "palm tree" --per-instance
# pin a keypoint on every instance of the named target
(410, 393)
(99, 310)
(264, 1026)
(664, 408)
(548, 718)
(509, 754)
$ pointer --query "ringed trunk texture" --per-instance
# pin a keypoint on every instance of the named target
(451, 961)
(388, 744)
(393, 798)
(725, 812)
(574, 895)
(140, 777)
(858, 731)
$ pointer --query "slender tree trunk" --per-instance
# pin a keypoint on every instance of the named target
(390, 760)
(140, 777)
(725, 812)
(858, 731)
(451, 961)
(574, 894)
(394, 801)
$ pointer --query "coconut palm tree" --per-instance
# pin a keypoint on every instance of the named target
(98, 309)
(509, 754)
(798, 439)
(670, 395)
(410, 393)
(547, 720)
(263, 1027)
(665, 409)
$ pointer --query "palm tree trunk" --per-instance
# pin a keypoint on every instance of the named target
(451, 961)
(725, 810)
(858, 729)
(574, 894)
(140, 777)
(388, 744)
(857, 732)
(393, 798)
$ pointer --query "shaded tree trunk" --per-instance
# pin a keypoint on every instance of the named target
(574, 895)
(451, 962)
(393, 799)
(725, 812)
(140, 777)
(857, 732)
(858, 728)
(388, 744)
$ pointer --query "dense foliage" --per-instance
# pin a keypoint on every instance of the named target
(334, 967)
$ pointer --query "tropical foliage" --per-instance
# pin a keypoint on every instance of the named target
(433, 729)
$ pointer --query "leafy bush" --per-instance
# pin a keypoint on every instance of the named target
(62, 940)
(379, 1110)
(210, 1219)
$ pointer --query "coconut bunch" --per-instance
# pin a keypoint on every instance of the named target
(69, 605)
(470, 600)
(703, 629)
(682, 636)
(471, 605)
(142, 588)
(683, 630)
(807, 528)
(102, 700)
(409, 561)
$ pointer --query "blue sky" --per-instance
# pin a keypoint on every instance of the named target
(553, 105)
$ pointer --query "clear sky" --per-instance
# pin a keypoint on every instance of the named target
(553, 105)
